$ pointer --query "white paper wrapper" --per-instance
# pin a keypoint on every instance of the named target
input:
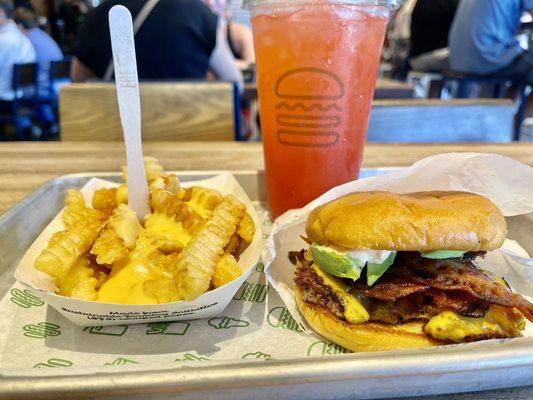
(90, 313)
(508, 183)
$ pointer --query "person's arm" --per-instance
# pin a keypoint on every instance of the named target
(243, 40)
(222, 62)
(79, 72)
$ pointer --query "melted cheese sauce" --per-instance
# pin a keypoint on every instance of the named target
(122, 194)
(449, 325)
(166, 227)
(354, 312)
(124, 223)
(126, 283)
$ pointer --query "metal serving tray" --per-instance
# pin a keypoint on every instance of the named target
(500, 364)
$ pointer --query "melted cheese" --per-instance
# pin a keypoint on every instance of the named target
(498, 321)
(122, 194)
(166, 227)
(126, 283)
(124, 223)
(354, 312)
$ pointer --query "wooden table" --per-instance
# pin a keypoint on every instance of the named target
(25, 166)
(385, 89)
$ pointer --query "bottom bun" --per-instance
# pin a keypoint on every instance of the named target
(368, 336)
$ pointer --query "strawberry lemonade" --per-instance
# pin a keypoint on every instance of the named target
(316, 70)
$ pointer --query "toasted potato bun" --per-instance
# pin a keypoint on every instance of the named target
(424, 221)
(368, 336)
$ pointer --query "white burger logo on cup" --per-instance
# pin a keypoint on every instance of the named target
(309, 119)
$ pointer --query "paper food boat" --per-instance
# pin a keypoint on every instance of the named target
(508, 183)
(92, 313)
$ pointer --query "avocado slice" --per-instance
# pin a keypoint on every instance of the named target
(336, 263)
(375, 271)
(443, 254)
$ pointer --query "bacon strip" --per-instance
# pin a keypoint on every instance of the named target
(459, 275)
(390, 288)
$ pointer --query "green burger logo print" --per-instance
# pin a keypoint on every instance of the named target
(54, 363)
(259, 355)
(227, 323)
(322, 348)
(122, 361)
(113, 330)
(254, 292)
(41, 330)
(25, 298)
(191, 357)
(280, 317)
(167, 328)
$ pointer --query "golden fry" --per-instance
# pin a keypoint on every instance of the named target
(203, 200)
(196, 263)
(190, 243)
(233, 244)
(242, 238)
(118, 237)
(122, 194)
(108, 248)
(105, 200)
(80, 282)
(164, 202)
(65, 247)
(152, 167)
(170, 183)
(226, 270)
(246, 228)
(164, 288)
(76, 212)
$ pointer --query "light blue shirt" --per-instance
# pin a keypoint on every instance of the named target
(15, 48)
(483, 35)
(46, 50)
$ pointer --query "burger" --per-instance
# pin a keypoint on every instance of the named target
(390, 271)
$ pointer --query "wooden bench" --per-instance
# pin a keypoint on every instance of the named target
(170, 111)
(469, 120)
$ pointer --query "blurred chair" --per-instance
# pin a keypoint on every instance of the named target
(426, 85)
(59, 76)
(23, 105)
(48, 99)
(170, 111)
(459, 85)
(472, 120)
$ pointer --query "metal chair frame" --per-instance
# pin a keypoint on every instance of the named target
(25, 82)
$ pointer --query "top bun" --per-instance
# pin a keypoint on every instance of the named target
(424, 221)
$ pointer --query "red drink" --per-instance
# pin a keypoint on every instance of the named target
(316, 70)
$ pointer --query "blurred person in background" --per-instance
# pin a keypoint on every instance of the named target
(15, 48)
(396, 46)
(46, 49)
(428, 44)
(238, 14)
(430, 25)
(180, 39)
(238, 35)
(483, 39)
(24, 3)
(241, 43)
(72, 14)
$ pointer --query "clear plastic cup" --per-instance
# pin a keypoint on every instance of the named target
(317, 63)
